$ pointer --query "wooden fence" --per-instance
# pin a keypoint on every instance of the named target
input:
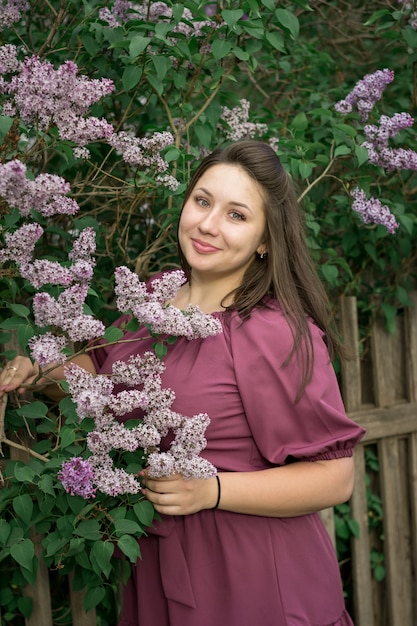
(379, 387)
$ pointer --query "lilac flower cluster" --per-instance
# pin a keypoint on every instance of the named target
(95, 397)
(366, 93)
(379, 151)
(117, 15)
(239, 126)
(151, 308)
(44, 96)
(188, 26)
(10, 12)
(410, 7)
(77, 477)
(142, 152)
(372, 211)
(45, 194)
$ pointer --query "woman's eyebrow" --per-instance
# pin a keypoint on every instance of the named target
(233, 202)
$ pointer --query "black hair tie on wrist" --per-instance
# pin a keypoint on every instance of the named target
(218, 492)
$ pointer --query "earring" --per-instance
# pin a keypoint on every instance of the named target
(262, 255)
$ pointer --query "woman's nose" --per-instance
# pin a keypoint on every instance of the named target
(210, 222)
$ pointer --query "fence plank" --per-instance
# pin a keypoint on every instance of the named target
(382, 361)
(411, 347)
(397, 539)
(394, 421)
(79, 616)
(413, 500)
(351, 369)
(361, 569)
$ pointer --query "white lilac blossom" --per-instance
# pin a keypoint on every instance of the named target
(372, 211)
(8, 59)
(239, 126)
(21, 244)
(377, 146)
(11, 12)
(47, 349)
(366, 93)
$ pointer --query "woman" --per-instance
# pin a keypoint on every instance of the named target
(246, 548)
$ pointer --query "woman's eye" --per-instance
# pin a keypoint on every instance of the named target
(236, 215)
(203, 202)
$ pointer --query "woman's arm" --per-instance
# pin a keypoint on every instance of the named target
(20, 372)
(291, 490)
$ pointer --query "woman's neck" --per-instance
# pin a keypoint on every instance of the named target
(208, 295)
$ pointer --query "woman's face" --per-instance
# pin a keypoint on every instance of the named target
(222, 225)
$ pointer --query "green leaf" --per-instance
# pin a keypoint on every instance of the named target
(138, 44)
(289, 21)
(24, 473)
(25, 605)
(342, 150)
(144, 511)
(361, 154)
(100, 557)
(19, 309)
(112, 333)
(299, 122)
(162, 65)
(126, 526)
(348, 130)
(24, 553)
(160, 349)
(67, 436)
(4, 531)
(131, 76)
(221, 48)
(130, 547)
(276, 40)
(232, 17)
(90, 45)
(5, 125)
(35, 410)
(24, 333)
(330, 273)
(93, 597)
(375, 16)
(23, 507)
(240, 54)
(305, 168)
(89, 529)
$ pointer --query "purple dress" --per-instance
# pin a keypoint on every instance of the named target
(217, 568)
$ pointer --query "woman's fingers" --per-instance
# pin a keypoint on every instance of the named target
(16, 373)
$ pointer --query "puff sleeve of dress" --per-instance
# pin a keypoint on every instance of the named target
(314, 428)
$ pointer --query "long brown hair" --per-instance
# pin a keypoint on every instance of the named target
(287, 273)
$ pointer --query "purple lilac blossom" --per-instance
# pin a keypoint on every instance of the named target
(372, 211)
(45, 96)
(77, 476)
(366, 93)
(142, 152)
(46, 193)
(10, 12)
(117, 15)
(151, 308)
(239, 126)
(379, 151)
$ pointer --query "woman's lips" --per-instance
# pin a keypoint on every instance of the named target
(202, 247)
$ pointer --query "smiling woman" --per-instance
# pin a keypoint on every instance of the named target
(278, 435)
(222, 229)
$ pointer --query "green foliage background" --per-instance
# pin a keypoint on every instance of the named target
(292, 60)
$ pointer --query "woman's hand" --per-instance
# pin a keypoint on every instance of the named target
(174, 495)
(16, 374)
